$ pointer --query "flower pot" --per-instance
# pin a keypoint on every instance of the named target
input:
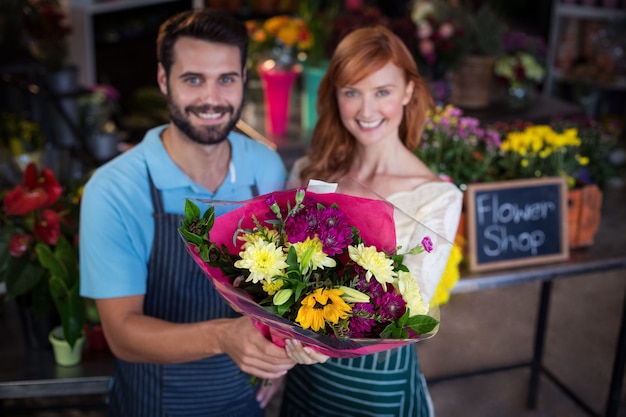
(95, 337)
(584, 212)
(312, 76)
(471, 83)
(520, 96)
(64, 355)
(277, 85)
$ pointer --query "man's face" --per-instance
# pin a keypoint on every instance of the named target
(204, 89)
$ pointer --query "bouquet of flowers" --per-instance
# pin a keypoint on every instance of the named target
(320, 268)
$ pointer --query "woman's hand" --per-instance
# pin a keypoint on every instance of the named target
(303, 355)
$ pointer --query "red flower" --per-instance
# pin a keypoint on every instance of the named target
(19, 244)
(37, 192)
(47, 227)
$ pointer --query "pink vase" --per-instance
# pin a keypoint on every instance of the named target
(277, 85)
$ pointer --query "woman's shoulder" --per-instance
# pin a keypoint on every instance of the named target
(299, 164)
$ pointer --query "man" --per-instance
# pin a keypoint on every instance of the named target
(180, 349)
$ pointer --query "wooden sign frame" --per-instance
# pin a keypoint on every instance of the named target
(526, 186)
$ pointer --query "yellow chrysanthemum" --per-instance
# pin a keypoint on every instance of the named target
(322, 305)
(409, 288)
(271, 286)
(263, 259)
(265, 234)
(374, 262)
(450, 274)
(312, 250)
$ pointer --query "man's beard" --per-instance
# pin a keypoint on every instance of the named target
(205, 135)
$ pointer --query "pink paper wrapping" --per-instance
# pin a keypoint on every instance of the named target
(373, 218)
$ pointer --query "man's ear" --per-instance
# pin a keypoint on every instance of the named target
(162, 78)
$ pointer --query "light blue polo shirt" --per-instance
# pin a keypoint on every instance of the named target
(116, 223)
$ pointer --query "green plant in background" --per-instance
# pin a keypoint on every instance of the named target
(61, 262)
(22, 139)
(458, 147)
(48, 31)
(484, 31)
(318, 16)
(597, 141)
(38, 252)
(519, 68)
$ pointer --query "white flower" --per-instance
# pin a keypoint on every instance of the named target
(310, 255)
(374, 262)
(407, 285)
(263, 259)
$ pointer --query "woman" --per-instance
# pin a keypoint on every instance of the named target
(372, 106)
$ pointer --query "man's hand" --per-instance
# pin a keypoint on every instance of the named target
(252, 352)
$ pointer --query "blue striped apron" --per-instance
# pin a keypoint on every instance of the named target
(178, 291)
(384, 384)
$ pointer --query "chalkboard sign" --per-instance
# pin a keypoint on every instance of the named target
(514, 223)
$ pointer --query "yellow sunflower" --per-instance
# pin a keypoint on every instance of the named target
(322, 305)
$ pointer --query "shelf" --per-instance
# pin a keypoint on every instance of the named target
(589, 12)
(618, 84)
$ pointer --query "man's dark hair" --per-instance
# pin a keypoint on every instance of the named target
(207, 25)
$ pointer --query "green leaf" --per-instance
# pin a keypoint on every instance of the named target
(192, 211)
(190, 237)
(49, 261)
(5, 238)
(421, 324)
(22, 275)
(209, 218)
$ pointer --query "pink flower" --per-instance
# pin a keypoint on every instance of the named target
(427, 244)
(19, 244)
(427, 49)
(446, 30)
(424, 30)
(354, 4)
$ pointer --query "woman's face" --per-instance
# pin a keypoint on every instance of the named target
(373, 108)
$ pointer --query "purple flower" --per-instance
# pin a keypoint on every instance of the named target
(372, 288)
(360, 325)
(391, 306)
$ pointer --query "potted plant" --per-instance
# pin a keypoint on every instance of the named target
(521, 68)
(316, 14)
(38, 240)
(482, 43)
